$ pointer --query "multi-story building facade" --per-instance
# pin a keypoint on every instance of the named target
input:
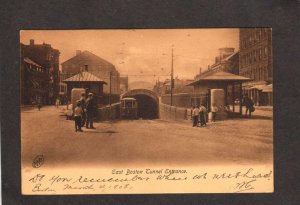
(34, 86)
(256, 63)
(98, 67)
(48, 59)
(226, 61)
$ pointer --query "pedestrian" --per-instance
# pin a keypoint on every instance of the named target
(202, 115)
(77, 117)
(83, 107)
(195, 115)
(248, 103)
(68, 103)
(90, 109)
(39, 103)
(214, 110)
(57, 102)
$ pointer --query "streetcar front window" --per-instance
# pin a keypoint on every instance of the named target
(128, 104)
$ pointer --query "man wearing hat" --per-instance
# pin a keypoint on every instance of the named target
(83, 104)
(89, 111)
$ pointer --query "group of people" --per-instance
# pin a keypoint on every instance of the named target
(84, 112)
(199, 115)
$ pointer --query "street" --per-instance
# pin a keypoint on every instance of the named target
(144, 142)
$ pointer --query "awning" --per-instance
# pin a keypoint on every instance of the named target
(268, 89)
(258, 87)
(29, 61)
(220, 77)
(263, 88)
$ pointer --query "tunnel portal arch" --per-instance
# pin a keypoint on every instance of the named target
(148, 102)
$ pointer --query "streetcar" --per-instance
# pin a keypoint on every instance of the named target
(129, 108)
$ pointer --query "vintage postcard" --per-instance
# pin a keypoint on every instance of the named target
(146, 111)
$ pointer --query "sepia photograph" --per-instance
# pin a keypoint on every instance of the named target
(142, 111)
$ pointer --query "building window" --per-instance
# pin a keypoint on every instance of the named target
(266, 73)
(269, 72)
(265, 52)
(259, 73)
(256, 74)
(265, 32)
(260, 53)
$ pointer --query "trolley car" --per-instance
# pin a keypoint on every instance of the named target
(129, 108)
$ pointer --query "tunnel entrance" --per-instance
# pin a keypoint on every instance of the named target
(147, 103)
(147, 107)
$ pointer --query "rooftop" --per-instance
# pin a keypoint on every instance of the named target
(89, 55)
(84, 77)
(220, 76)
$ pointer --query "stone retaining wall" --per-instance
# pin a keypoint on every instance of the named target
(109, 113)
(167, 112)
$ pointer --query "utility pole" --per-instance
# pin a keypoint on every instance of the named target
(172, 80)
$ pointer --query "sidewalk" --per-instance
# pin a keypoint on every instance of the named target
(27, 107)
(265, 108)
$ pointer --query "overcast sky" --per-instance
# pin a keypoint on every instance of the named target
(141, 53)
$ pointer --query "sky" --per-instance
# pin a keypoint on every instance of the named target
(142, 54)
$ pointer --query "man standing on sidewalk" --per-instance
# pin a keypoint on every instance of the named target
(195, 114)
(90, 108)
(83, 107)
(248, 103)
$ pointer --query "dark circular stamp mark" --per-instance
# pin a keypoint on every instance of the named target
(38, 161)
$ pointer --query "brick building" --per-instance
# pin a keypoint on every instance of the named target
(98, 67)
(256, 63)
(163, 88)
(34, 80)
(48, 59)
(226, 61)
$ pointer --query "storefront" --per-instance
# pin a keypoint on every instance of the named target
(260, 92)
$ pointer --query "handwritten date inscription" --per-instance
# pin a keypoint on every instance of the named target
(128, 181)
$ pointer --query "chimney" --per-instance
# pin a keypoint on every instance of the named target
(31, 42)
(86, 68)
(78, 52)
